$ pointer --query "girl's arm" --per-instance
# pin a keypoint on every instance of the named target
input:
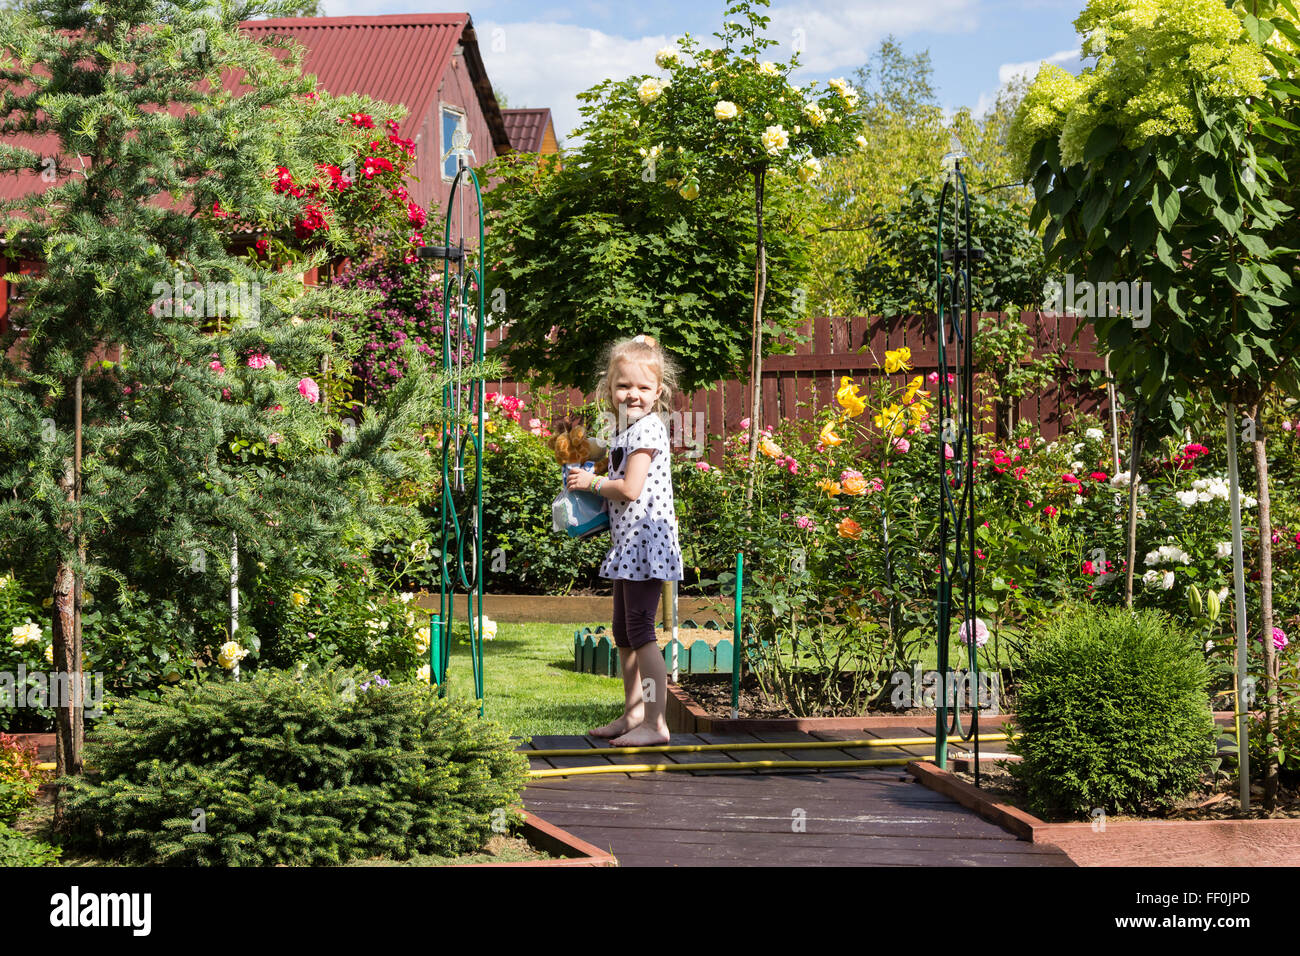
(627, 488)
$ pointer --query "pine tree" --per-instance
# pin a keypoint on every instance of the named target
(149, 350)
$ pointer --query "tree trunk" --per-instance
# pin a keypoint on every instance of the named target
(1266, 610)
(756, 353)
(66, 614)
(1131, 542)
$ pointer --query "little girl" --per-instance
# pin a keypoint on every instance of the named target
(638, 384)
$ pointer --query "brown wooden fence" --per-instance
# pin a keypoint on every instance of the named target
(797, 386)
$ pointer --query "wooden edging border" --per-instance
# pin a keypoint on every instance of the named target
(686, 716)
(1144, 843)
(551, 839)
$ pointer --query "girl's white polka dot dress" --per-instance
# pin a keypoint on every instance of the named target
(643, 533)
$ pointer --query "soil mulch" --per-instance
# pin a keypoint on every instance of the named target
(713, 693)
(1215, 798)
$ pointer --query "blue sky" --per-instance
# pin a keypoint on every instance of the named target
(542, 52)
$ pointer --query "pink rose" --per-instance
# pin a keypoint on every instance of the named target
(217, 367)
(703, 466)
(309, 390)
(1049, 511)
(274, 438)
(804, 521)
(947, 451)
(744, 423)
(258, 360)
(933, 378)
(981, 633)
(902, 445)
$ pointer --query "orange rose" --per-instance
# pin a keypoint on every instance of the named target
(831, 488)
(854, 485)
(848, 528)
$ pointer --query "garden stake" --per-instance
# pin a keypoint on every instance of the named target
(953, 292)
(735, 638)
(463, 333)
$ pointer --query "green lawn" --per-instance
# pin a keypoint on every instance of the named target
(529, 685)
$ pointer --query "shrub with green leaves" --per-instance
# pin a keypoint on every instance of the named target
(1113, 712)
(18, 849)
(311, 769)
(19, 778)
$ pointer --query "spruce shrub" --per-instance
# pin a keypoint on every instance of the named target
(1114, 713)
(311, 769)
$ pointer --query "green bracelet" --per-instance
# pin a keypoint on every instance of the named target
(595, 485)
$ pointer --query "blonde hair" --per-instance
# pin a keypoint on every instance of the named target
(645, 351)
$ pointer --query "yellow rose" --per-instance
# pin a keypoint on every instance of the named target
(861, 141)
(49, 655)
(810, 169)
(775, 140)
(768, 68)
(898, 360)
(847, 396)
(650, 90)
(298, 598)
(828, 436)
(816, 115)
(725, 110)
(831, 488)
(769, 448)
(690, 190)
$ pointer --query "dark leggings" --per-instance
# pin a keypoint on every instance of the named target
(635, 605)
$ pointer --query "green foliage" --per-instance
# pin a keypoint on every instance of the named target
(1141, 173)
(1113, 713)
(315, 768)
(593, 249)
(898, 278)
(520, 480)
(18, 849)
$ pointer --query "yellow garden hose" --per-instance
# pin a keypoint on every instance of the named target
(734, 765)
(797, 745)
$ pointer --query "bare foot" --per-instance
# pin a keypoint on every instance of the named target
(612, 729)
(642, 735)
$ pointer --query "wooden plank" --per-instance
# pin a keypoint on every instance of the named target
(771, 412)
(717, 426)
(820, 360)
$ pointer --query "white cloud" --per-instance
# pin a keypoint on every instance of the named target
(549, 64)
(844, 34)
(1029, 68)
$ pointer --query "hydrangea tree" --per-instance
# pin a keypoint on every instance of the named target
(1171, 161)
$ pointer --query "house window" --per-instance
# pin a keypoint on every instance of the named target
(452, 120)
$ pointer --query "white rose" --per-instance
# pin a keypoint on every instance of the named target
(1151, 577)
(1186, 498)
(768, 68)
(816, 115)
(1094, 433)
(810, 169)
(28, 633)
(1153, 557)
(1167, 581)
(775, 140)
(1223, 549)
(650, 90)
(725, 110)
(1076, 466)
(861, 141)
(231, 653)
(1078, 500)
(423, 673)
(838, 84)
(666, 57)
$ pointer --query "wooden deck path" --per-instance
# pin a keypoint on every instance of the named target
(869, 817)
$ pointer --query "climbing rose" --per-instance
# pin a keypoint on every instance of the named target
(309, 390)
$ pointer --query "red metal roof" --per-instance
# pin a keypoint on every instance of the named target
(526, 127)
(400, 63)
